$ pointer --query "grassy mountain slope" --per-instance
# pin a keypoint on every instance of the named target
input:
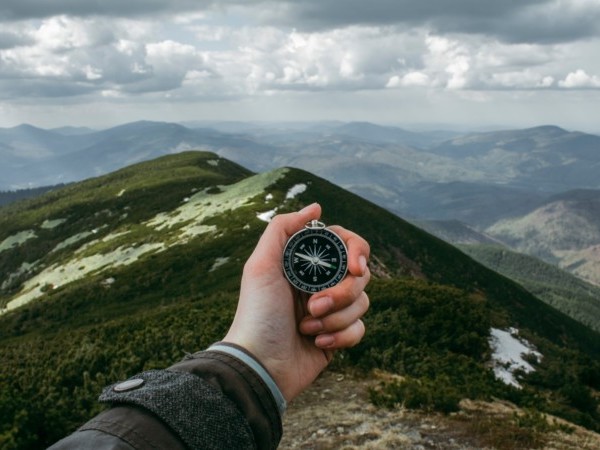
(564, 231)
(127, 271)
(556, 287)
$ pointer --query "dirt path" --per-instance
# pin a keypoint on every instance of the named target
(335, 413)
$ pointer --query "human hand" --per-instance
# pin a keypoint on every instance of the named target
(294, 336)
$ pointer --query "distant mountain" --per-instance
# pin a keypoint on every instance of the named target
(565, 231)
(37, 157)
(366, 131)
(13, 196)
(72, 131)
(544, 158)
(25, 144)
(479, 179)
(127, 271)
(477, 204)
(455, 232)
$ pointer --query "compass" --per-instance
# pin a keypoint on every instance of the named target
(315, 258)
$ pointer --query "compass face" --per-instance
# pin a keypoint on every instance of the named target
(315, 259)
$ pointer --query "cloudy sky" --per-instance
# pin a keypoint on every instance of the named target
(462, 63)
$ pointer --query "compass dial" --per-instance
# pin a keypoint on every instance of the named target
(315, 259)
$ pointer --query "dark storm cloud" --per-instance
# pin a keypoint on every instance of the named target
(38, 88)
(347, 12)
(541, 21)
(36, 9)
(10, 40)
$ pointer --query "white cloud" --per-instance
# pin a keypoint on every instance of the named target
(92, 73)
(580, 79)
(415, 78)
(203, 52)
(526, 79)
(64, 33)
(124, 57)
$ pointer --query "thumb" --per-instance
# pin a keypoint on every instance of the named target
(281, 228)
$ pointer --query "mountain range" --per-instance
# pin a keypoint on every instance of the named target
(510, 184)
(129, 270)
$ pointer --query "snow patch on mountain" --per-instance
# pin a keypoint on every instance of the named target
(49, 224)
(295, 191)
(176, 227)
(16, 239)
(508, 353)
(185, 219)
(292, 192)
(267, 216)
(219, 262)
(23, 269)
(60, 274)
(71, 240)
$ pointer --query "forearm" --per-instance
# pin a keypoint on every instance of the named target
(209, 400)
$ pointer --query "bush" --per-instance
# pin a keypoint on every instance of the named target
(429, 394)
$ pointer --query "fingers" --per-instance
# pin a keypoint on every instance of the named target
(343, 294)
(335, 313)
(341, 328)
(338, 320)
(358, 250)
(338, 297)
(346, 338)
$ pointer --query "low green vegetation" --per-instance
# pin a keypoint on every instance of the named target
(429, 322)
(436, 337)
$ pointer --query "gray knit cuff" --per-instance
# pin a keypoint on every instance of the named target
(182, 399)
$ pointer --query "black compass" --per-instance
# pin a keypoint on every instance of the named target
(315, 258)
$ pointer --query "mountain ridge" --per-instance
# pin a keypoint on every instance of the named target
(500, 175)
(198, 215)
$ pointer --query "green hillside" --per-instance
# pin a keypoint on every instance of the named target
(563, 291)
(129, 271)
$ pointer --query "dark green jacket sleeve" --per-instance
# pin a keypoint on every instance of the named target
(210, 400)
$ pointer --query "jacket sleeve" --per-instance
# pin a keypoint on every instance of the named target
(215, 399)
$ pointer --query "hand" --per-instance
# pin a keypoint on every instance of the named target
(295, 338)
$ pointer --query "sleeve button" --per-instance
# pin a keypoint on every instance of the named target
(128, 385)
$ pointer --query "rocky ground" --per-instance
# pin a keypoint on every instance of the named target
(335, 413)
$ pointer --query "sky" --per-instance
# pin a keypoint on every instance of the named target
(470, 64)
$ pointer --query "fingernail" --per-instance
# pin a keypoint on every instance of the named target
(320, 306)
(312, 326)
(362, 261)
(324, 340)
